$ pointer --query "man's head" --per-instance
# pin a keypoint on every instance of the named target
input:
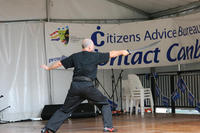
(88, 45)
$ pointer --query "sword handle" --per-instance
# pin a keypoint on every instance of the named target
(129, 51)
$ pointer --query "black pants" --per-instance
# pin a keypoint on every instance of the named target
(78, 92)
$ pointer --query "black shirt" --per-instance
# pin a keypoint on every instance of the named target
(85, 63)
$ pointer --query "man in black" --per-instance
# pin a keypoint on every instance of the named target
(85, 69)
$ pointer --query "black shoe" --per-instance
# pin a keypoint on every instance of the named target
(44, 130)
(109, 129)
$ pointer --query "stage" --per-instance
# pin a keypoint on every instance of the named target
(158, 123)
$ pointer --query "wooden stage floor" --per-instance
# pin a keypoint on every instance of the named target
(157, 123)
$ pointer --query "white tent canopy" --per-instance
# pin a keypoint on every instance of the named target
(12, 10)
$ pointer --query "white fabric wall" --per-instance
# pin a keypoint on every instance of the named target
(22, 82)
(60, 84)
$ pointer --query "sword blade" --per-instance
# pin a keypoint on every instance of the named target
(144, 47)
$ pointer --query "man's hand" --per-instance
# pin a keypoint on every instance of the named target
(53, 66)
(44, 67)
(125, 53)
(118, 53)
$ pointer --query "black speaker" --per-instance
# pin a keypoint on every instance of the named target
(84, 110)
(49, 110)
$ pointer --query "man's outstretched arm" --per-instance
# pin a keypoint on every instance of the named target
(53, 66)
(118, 53)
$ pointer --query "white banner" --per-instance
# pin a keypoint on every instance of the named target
(154, 43)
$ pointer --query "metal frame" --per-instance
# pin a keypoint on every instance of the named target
(172, 11)
(191, 77)
(137, 10)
